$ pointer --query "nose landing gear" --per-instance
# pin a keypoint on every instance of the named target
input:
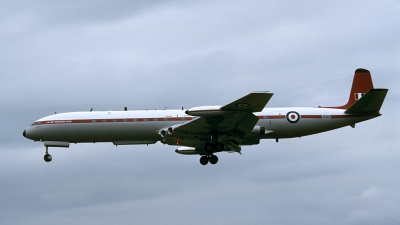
(61, 144)
(47, 157)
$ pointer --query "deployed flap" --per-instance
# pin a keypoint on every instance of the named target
(253, 102)
(247, 123)
(371, 102)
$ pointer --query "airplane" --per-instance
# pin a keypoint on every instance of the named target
(207, 130)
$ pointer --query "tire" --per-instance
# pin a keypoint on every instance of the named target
(213, 159)
(203, 160)
(219, 146)
(209, 147)
(47, 158)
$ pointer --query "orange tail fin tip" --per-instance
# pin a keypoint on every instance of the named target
(362, 83)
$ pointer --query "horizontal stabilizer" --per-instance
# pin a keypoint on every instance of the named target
(370, 103)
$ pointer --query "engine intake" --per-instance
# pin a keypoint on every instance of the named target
(163, 133)
(170, 130)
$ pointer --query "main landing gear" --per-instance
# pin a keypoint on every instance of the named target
(210, 148)
(218, 147)
(47, 157)
(213, 159)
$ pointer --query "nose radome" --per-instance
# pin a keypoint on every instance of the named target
(24, 133)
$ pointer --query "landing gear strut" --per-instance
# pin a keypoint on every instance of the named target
(210, 148)
(214, 145)
(47, 157)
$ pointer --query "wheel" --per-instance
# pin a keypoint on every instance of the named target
(203, 160)
(213, 159)
(47, 157)
(219, 146)
(209, 147)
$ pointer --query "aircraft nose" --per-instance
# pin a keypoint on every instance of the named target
(24, 133)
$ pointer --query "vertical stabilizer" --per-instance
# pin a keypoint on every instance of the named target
(362, 83)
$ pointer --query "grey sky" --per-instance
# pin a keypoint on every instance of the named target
(77, 55)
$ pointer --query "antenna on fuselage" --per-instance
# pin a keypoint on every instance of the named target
(125, 108)
(91, 109)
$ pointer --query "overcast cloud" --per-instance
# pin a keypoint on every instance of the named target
(60, 56)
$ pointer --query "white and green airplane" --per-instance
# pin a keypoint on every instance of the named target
(207, 130)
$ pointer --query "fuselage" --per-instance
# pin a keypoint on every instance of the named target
(143, 126)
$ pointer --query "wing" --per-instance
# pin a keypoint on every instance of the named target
(234, 123)
(253, 102)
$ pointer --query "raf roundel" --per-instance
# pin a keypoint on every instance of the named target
(293, 117)
(242, 105)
